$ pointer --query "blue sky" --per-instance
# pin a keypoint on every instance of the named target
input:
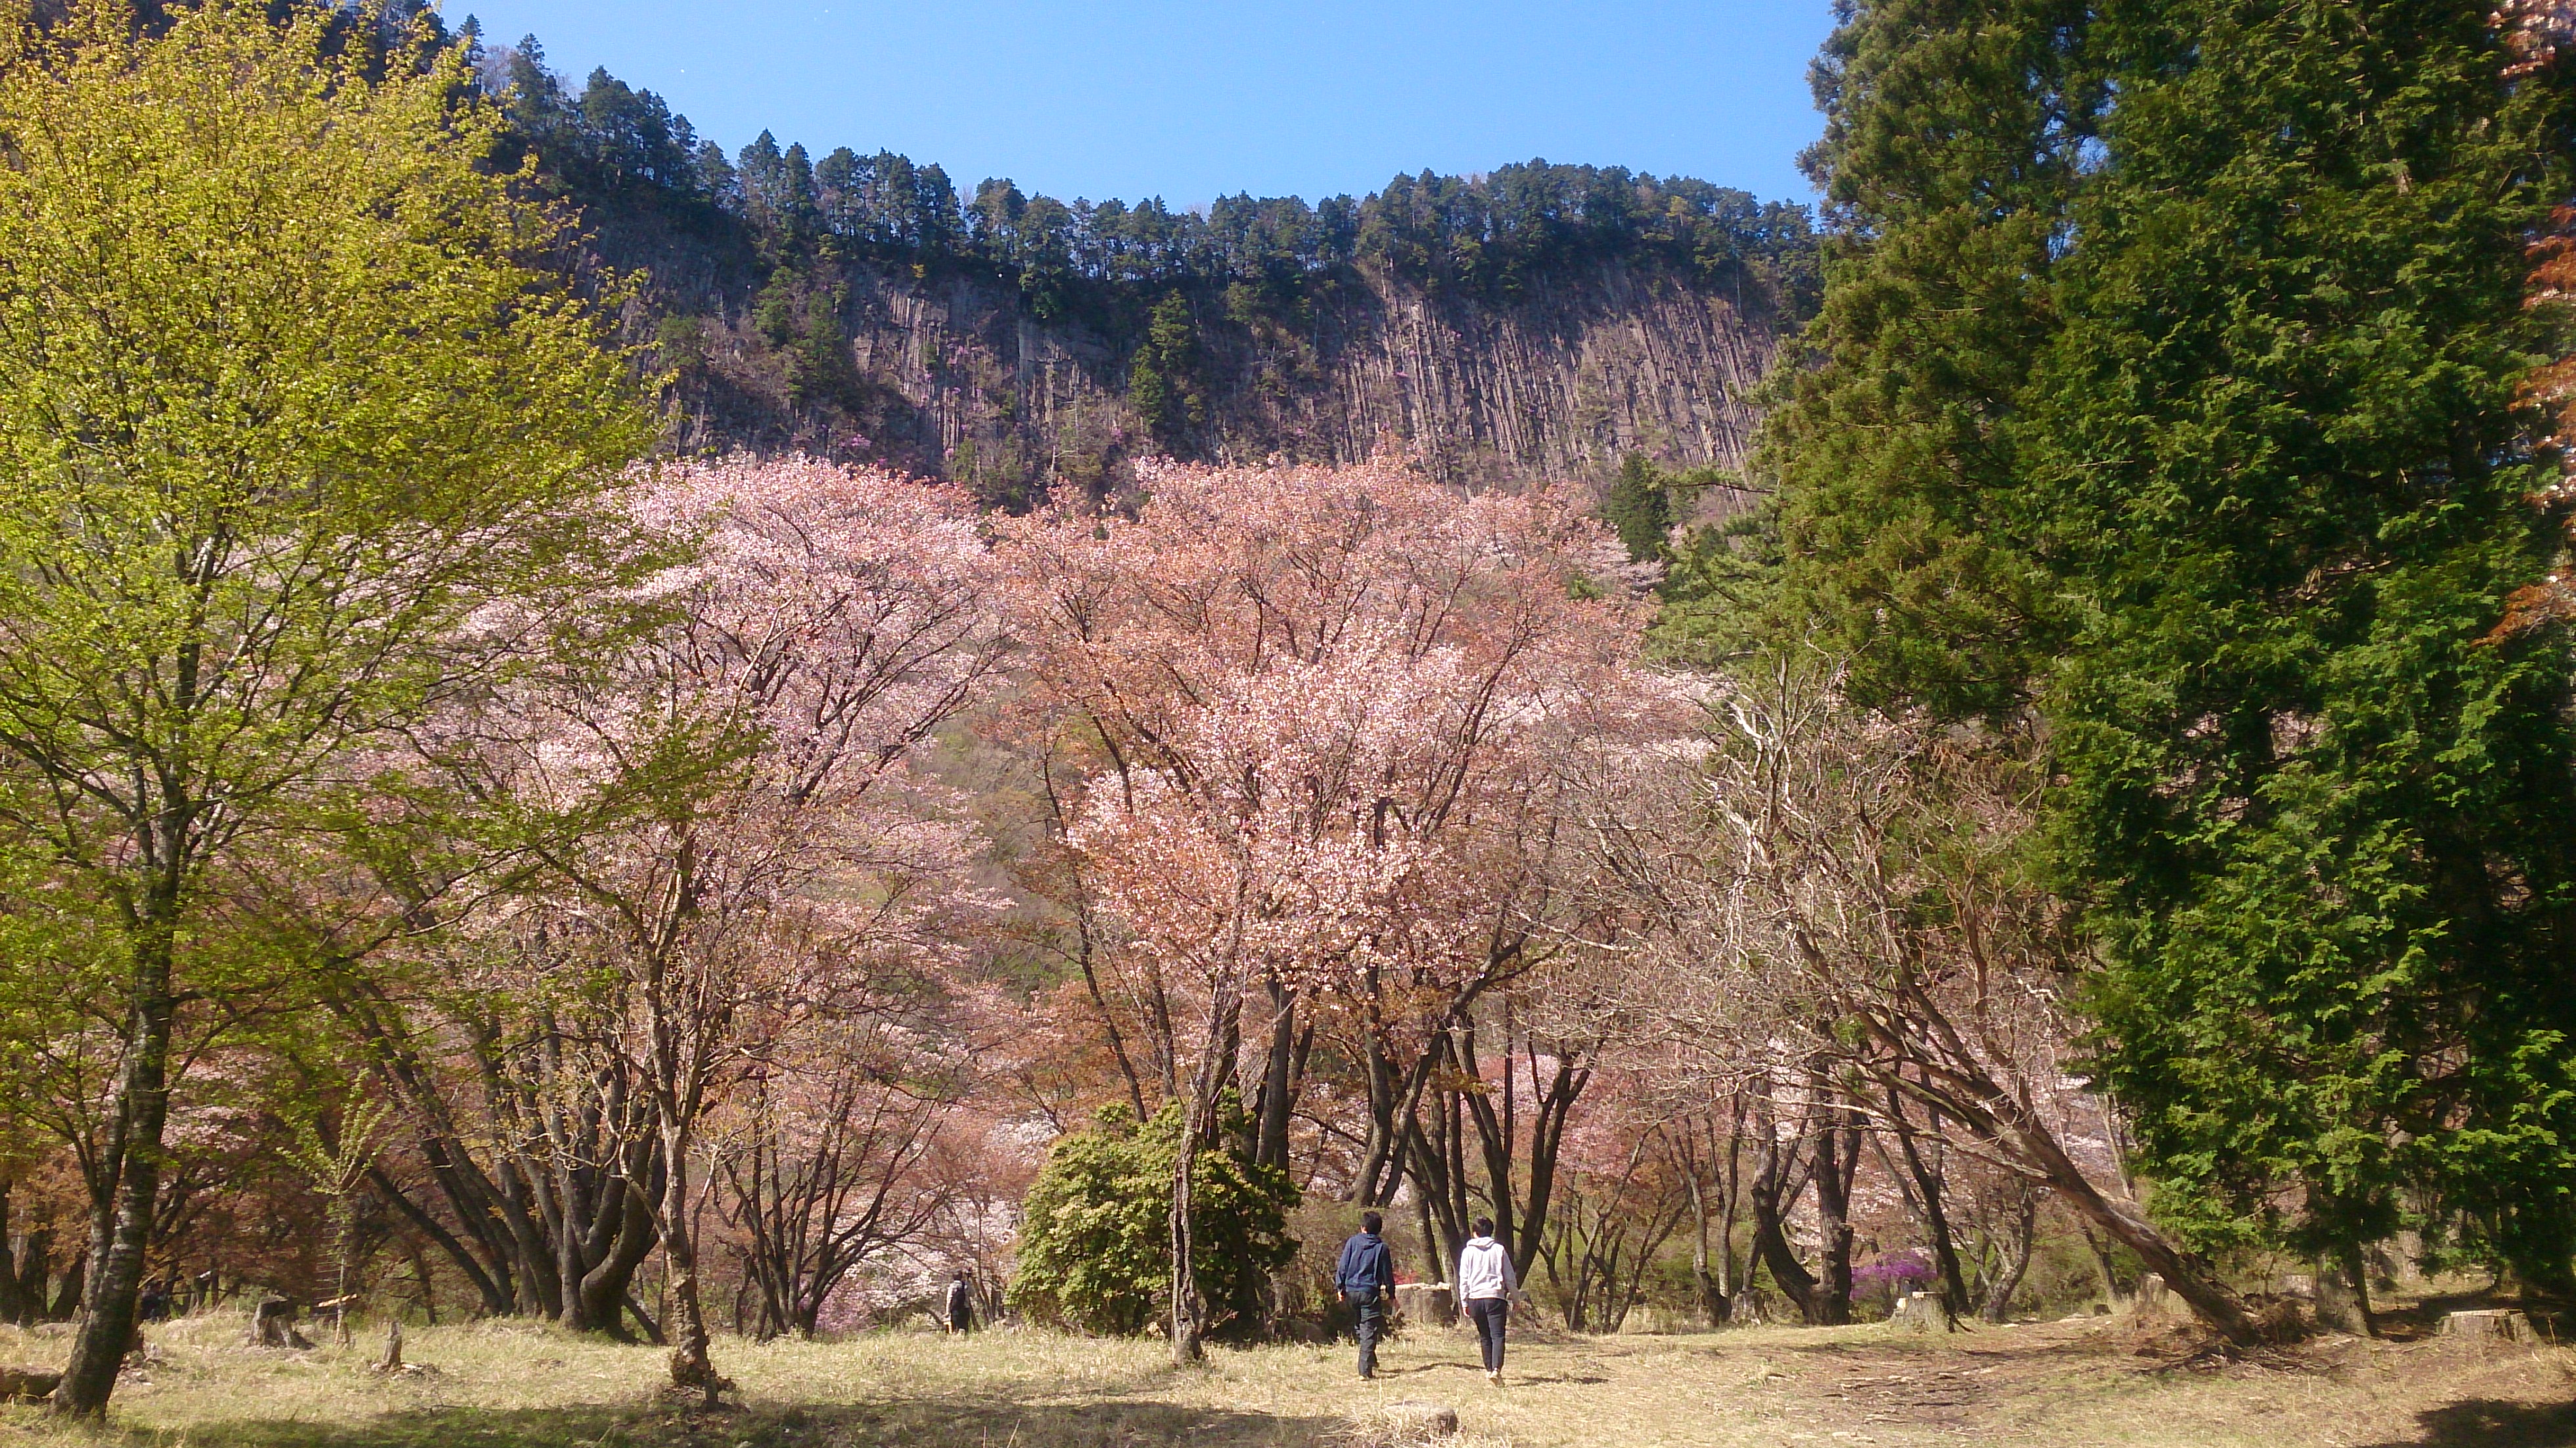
(1190, 101)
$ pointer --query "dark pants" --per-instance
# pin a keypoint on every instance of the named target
(1492, 1314)
(1372, 1325)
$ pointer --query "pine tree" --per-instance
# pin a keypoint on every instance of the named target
(1163, 380)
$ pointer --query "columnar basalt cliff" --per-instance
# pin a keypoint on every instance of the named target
(951, 373)
(1541, 320)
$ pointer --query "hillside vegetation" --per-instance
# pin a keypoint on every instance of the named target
(1538, 322)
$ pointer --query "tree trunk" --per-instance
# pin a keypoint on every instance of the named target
(142, 1108)
(2343, 1291)
(1425, 1229)
(571, 1210)
(2007, 1281)
(692, 1370)
(1712, 1303)
(1278, 1080)
(1730, 1282)
(9, 1296)
(420, 1273)
(602, 1290)
(35, 1269)
(1771, 1201)
(644, 1320)
(1186, 1324)
(1930, 1185)
(1374, 1183)
(497, 1299)
(2190, 1278)
(1954, 1079)
(1198, 1127)
(345, 1215)
(72, 1291)
(1837, 1159)
(485, 1251)
(1547, 1139)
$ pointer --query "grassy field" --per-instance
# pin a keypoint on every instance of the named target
(497, 1385)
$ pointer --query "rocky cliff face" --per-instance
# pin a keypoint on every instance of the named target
(953, 372)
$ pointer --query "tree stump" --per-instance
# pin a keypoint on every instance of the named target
(1425, 1304)
(694, 1376)
(2487, 1325)
(272, 1324)
(2152, 1299)
(1918, 1312)
(391, 1363)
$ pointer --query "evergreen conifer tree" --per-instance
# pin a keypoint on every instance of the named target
(2164, 400)
(1953, 144)
(2274, 453)
(1639, 508)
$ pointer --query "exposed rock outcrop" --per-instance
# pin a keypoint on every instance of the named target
(951, 370)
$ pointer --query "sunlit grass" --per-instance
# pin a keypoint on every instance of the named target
(520, 1385)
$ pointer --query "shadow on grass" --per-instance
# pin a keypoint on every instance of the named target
(943, 1422)
(2489, 1423)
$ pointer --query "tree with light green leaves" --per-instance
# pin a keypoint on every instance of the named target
(292, 395)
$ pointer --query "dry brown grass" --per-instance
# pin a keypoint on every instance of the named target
(511, 1385)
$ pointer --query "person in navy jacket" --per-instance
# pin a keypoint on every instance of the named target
(1366, 1280)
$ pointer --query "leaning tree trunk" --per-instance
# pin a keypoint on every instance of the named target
(1951, 1078)
(2190, 1278)
(142, 1107)
(1931, 1183)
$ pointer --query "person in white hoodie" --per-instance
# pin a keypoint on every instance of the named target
(1486, 1284)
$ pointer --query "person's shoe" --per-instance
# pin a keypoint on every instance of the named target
(1495, 1377)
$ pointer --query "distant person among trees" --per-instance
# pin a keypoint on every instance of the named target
(961, 1304)
(1366, 1279)
(1486, 1283)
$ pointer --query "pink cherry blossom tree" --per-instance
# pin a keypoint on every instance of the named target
(747, 833)
(1314, 714)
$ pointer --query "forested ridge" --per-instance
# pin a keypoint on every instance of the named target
(871, 307)
(699, 748)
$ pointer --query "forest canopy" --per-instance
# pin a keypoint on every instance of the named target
(1495, 234)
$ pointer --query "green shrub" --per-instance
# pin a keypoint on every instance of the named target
(1095, 1250)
